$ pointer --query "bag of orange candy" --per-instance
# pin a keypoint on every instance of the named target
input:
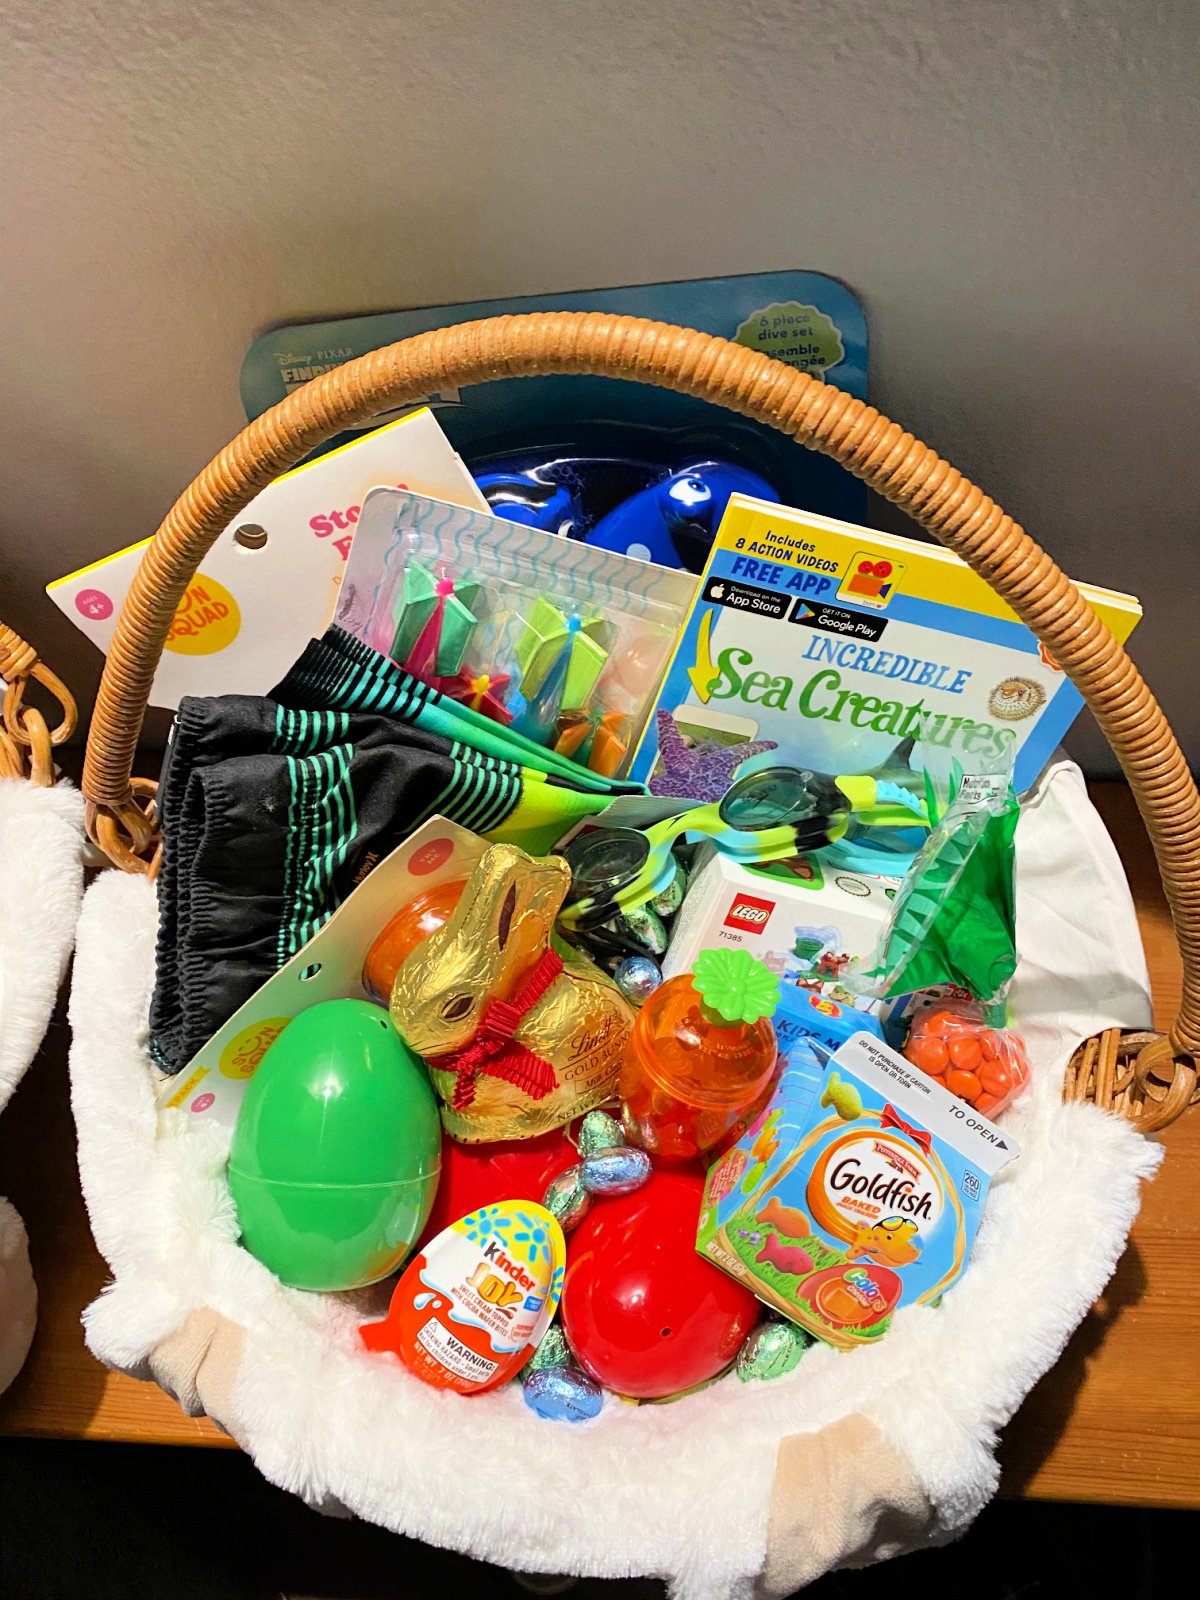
(953, 924)
(984, 1066)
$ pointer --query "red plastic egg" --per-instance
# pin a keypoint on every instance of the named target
(478, 1175)
(643, 1313)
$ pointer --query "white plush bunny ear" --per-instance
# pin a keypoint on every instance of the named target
(18, 1294)
(41, 868)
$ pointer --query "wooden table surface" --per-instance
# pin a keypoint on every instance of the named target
(1117, 1420)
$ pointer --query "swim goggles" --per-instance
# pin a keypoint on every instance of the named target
(766, 816)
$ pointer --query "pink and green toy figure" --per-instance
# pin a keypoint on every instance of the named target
(337, 1150)
(434, 620)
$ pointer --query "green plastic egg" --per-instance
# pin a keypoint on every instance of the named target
(337, 1150)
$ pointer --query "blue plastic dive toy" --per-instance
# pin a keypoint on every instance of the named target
(673, 522)
(639, 508)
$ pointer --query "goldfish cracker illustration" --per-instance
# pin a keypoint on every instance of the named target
(474, 1304)
(786, 1220)
(875, 1202)
(843, 1097)
(785, 1258)
(893, 1240)
(519, 1038)
(766, 1144)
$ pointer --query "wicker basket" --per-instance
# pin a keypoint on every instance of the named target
(1148, 1078)
(27, 741)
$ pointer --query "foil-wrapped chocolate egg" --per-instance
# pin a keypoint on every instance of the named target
(772, 1349)
(645, 927)
(669, 901)
(599, 1131)
(563, 1394)
(553, 1351)
(637, 977)
(567, 1199)
(617, 1171)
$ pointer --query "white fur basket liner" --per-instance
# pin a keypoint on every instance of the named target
(41, 879)
(739, 1489)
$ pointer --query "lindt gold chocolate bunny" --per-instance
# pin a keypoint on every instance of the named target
(518, 1037)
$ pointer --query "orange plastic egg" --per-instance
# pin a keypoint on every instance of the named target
(412, 924)
(964, 1084)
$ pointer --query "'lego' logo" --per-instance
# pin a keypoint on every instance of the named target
(749, 915)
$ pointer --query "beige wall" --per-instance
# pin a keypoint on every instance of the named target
(1010, 185)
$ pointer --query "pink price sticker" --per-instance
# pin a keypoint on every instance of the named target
(429, 857)
(202, 1103)
(93, 604)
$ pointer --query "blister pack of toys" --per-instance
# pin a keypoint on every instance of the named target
(558, 641)
(271, 580)
(633, 469)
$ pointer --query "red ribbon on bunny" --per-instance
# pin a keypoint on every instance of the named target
(494, 1050)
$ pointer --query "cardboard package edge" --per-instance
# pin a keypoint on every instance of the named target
(249, 612)
(292, 472)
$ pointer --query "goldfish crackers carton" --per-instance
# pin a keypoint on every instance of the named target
(858, 1191)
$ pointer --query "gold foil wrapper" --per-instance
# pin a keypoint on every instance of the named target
(502, 925)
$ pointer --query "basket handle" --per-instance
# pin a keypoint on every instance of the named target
(823, 418)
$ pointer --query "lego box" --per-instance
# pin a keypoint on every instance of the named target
(857, 1192)
(805, 919)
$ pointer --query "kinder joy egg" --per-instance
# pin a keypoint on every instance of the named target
(336, 1151)
(643, 1313)
(474, 1304)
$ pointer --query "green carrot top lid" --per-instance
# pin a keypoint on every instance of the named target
(735, 985)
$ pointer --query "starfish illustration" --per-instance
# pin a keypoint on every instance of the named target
(698, 772)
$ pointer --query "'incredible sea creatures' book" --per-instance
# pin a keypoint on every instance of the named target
(841, 644)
